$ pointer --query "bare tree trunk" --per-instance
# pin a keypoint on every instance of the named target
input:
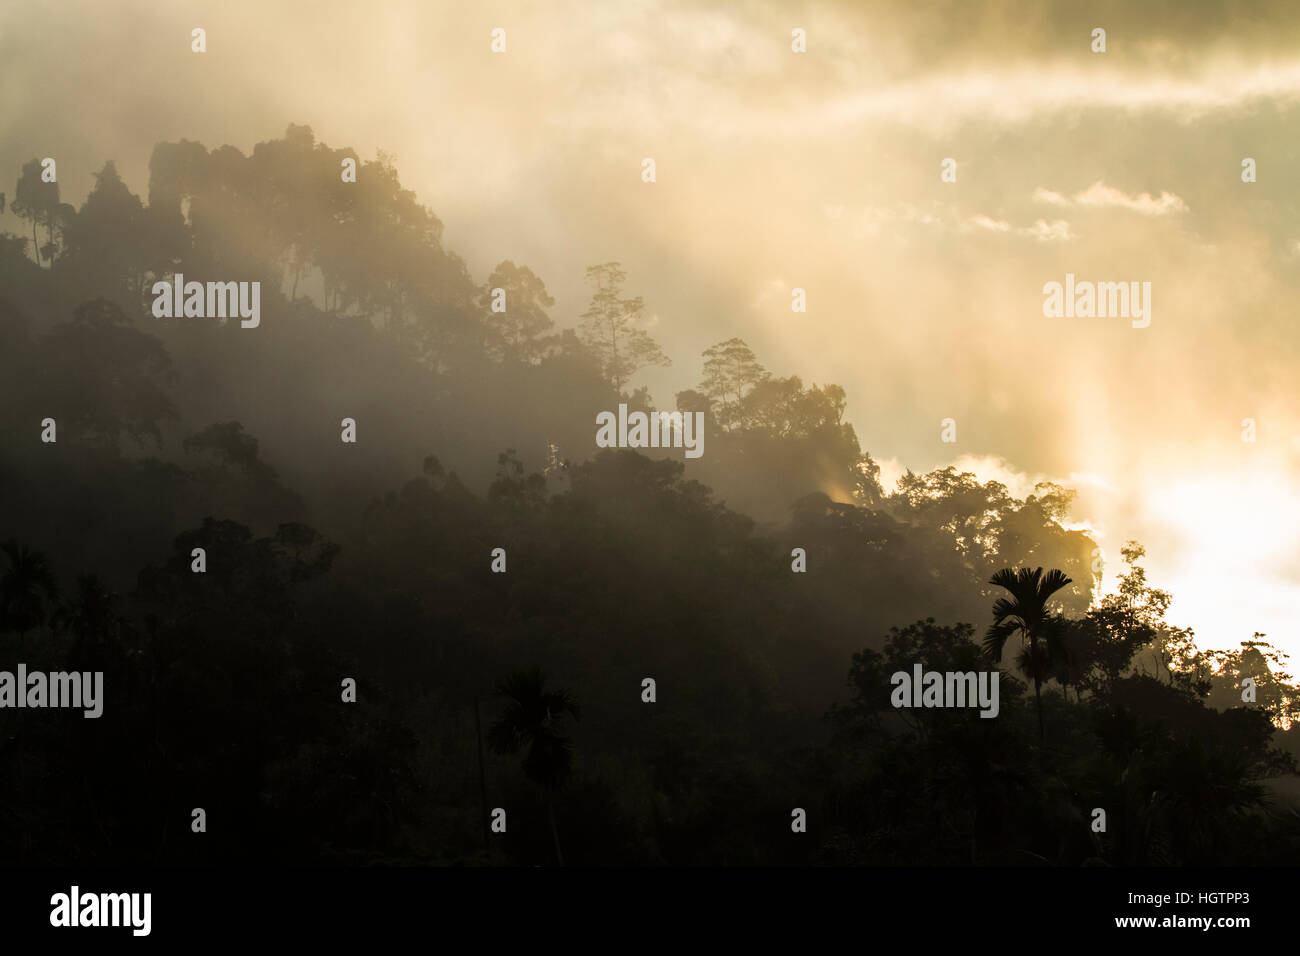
(1038, 690)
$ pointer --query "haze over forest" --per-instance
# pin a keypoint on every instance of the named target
(821, 171)
(476, 430)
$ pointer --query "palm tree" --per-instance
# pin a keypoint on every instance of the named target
(1026, 612)
(27, 589)
(91, 615)
(534, 719)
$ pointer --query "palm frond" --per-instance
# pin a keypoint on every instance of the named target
(995, 638)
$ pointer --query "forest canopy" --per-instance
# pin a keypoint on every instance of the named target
(376, 561)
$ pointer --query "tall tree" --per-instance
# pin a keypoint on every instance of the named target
(27, 589)
(534, 719)
(516, 333)
(611, 327)
(107, 242)
(1027, 613)
(36, 200)
(731, 371)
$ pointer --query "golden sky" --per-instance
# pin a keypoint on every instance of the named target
(821, 170)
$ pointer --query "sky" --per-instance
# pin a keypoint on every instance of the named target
(821, 170)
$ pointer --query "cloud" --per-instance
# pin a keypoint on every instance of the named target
(988, 468)
(1018, 95)
(1051, 197)
(877, 219)
(1058, 230)
(1101, 196)
(1040, 231)
(992, 225)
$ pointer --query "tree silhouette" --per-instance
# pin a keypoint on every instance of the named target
(229, 443)
(534, 719)
(516, 333)
(27, 589)
(610, 328)
(730, 373)
(1259, 661)
(36, 200)
(108, 240)
(1027, 613)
